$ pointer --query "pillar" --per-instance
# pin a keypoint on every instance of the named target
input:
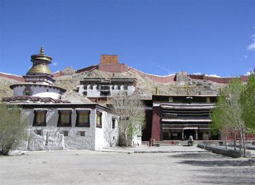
(196, 135)
(156, 127)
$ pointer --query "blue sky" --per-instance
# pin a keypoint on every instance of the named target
(155, 36)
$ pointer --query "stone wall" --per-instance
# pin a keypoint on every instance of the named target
(51, 136)
(113, 67)
(13, 77)
(159, 79)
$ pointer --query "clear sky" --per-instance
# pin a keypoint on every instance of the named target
(155, 36)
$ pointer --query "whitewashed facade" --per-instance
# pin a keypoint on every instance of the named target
(52, 136)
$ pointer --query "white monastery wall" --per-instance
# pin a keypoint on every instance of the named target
(43, 91)
(52, 137)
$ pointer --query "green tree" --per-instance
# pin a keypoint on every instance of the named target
(131, 112)
(248, 104)
(220, 117)
(228, 112)
(13, 127)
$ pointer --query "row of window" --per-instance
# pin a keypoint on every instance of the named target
(117, 87)
(65, 133)
(65, 118)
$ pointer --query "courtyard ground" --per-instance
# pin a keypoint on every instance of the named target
(175, 165)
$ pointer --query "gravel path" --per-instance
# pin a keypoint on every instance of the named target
(109, 168)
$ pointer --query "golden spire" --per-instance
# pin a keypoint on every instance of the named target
(40, 63)
(42, 51)
(41, 56)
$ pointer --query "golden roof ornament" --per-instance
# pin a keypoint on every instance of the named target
(42, 51)
(40, 63)
(42, 57)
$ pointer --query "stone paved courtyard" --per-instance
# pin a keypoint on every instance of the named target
(186, 166)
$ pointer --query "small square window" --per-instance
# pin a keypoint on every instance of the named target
(85, 93)
(38, 132)
(82, 133)
(65, 133)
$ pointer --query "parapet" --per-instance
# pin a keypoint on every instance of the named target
(109, 59)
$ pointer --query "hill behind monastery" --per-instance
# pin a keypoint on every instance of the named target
(146, 86)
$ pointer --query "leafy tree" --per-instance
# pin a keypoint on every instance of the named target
(130, 110)
(248, 104)
(13, 127)
(220, 118)
(227, 115)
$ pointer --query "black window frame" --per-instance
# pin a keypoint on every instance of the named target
(82, 133)
(38, 132)
(99, 113)
(113, 123)
(59, 118)
(65, 133)
(35, 118)
(125, 87)
(77, 119)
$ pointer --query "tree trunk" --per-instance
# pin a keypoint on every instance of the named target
(240, 141)
(244, 143)
(226, 141)
(5, 151)
(235, 139)
(126, 138)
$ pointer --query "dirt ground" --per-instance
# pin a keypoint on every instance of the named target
(110, 168)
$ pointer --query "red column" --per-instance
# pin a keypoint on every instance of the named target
(155, 130)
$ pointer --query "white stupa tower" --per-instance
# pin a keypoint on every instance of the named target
(39, 81)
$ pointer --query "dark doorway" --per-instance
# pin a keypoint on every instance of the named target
(187, 133)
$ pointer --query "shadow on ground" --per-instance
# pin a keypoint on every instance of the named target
(219, 169)
(220, 163)
(204, 155)
(229, 175)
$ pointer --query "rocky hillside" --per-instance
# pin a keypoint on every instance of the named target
(5, 89)
(146, 86)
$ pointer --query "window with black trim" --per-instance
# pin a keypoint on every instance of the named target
(65, 133)
(82, 133)
(83, 118)
(113, 123)
(125, 87)
(99, 119)
(38, 132)
(64, 118)
(85, 93)
(40, 118)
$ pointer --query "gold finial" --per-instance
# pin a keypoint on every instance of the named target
(42, 51)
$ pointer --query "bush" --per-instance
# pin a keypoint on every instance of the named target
(13, 127)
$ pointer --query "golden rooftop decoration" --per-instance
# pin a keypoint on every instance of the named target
(40, 68)
(40, 63)
(42, 51)
(41, 56)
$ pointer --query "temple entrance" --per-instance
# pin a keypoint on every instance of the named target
(189, 132)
